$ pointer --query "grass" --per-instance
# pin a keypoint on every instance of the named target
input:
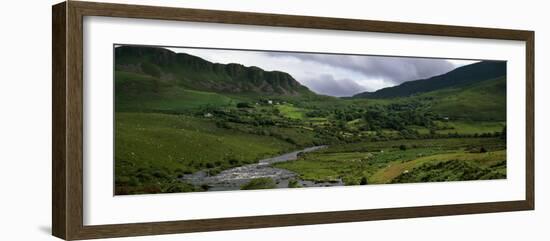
(453, 170)
(327, 167)
(383, 161)
(483, 101)
(434, 144)
(135, 84)
(174, 100)
(143, 93)
(289, 111)
(175, 144)
(395, 169)
(259, 183)
(300, 137)
(173, 120)
(351, 167)
(470, 127)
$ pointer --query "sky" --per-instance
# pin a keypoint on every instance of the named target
(335, 74)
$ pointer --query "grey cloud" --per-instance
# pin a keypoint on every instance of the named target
(393, 69)
(326, 84)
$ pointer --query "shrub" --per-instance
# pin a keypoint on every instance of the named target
(293, 183)
(233, 161)
(363, 181)
(122, 180)
(259, 183)
(243, 105)
(214, 171)
(160, 174)
(178, 187)
(205, 187)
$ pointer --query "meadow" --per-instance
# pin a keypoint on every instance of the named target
(404, 161)
(163, 136)
(183, 124)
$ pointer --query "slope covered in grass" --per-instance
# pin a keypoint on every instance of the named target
(485, 100)
(172, 145)
(384, 161)
(193, 72)
(462, 76)
(452, 166)
(142, 93)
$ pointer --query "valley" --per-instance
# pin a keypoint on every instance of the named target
(183, 124)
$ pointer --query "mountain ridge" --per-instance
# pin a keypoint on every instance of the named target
(459, 77)
(197, 73)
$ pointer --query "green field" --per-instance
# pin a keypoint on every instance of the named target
(139, 97)
(395, 171)
(382, 162)
(471, 127)
(481, 102)
(178, 115)
(163, 135)
(172, 145)
(291, 112)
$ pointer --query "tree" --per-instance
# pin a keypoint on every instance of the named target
(243, 105)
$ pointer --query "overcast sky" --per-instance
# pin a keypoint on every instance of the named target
(332, 74)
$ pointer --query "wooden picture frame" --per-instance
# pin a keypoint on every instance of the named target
(67, 152)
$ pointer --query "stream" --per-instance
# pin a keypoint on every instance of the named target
(234, 178)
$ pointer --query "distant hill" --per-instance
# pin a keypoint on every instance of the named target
(157, 67)
(459, 77)
(481, 101)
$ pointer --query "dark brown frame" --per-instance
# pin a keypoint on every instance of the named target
(67, 166)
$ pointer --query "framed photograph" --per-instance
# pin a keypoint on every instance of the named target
(171, 120)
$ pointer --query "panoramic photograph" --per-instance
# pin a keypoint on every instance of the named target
(202, 119)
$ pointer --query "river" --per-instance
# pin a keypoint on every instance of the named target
(234, 178)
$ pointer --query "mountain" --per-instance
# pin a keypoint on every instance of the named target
(482, 101)
(459, 77)
(167, 68)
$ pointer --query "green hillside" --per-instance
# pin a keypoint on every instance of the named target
(178, 115)
(485, 100)
(191, 72)
(138, 93)
(479, 101)
(459, 77)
